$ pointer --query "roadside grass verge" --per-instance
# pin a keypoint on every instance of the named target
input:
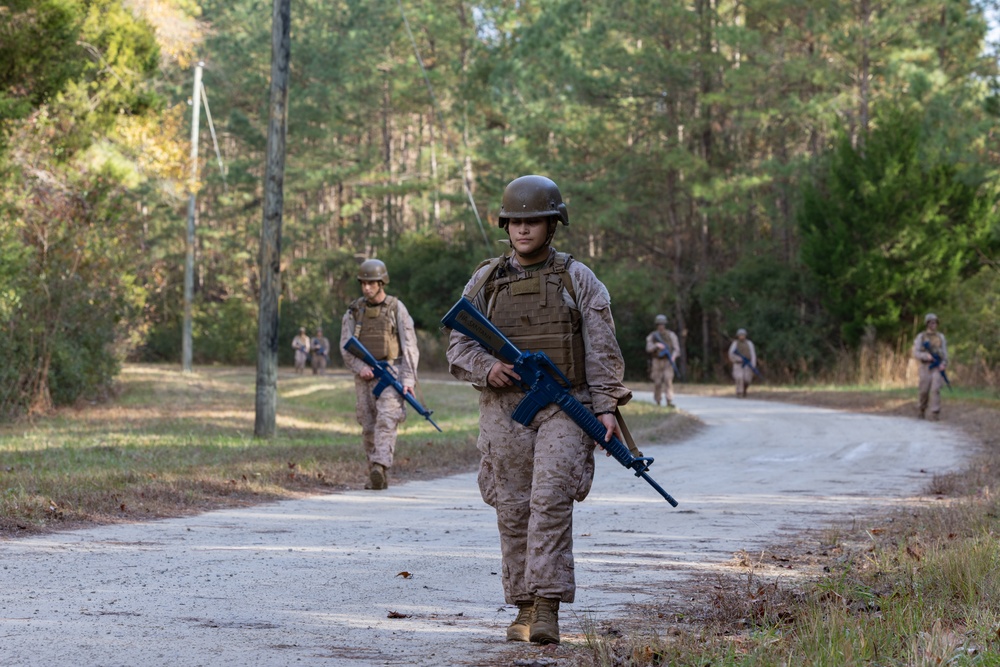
(172, 443)
(916, 587)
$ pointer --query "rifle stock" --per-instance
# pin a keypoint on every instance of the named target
(543, 383)
(386, 378)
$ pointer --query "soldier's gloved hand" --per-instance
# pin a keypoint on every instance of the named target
(502, 375)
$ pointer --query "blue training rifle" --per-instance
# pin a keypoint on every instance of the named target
(386, 378)
(937, 363)
(666, 352)
(542, 382)
(746, 362)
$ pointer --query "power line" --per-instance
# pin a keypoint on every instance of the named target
(215, 141)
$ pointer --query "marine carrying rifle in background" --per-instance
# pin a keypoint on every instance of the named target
(540, 380)
(666, 352)
(386, 378)
(746, 362)
(936, 364)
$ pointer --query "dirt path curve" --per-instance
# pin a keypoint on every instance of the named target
(312, 582)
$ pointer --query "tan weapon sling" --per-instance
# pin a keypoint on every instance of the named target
(626, 435)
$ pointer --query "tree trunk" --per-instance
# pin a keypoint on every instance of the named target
(270, 237)
(864, 75)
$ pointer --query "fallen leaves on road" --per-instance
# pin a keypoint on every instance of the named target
(405, 575)
(396, 614)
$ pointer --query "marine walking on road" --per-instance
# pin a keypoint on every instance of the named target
(743, 356)
(319, 355)
(383, 325)
(301, 345)
(545, 301)
(663, 348)
(930, 349)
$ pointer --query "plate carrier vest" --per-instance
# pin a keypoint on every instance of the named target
(934, 339)
(529, 309)
(375, 327)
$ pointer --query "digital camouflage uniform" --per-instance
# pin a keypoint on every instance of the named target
(742, 373)
(930, 380)
(386, 330)
(661, 372)
(533, 474)
(301, 346)
(320, 354)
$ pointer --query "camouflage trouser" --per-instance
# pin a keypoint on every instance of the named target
(379, 420)
(930, 386)
(662, 375)
(300, 360)
(743, 375)
(318, 363)
(532, 475)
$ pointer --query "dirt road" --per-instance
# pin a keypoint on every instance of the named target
(315, 581)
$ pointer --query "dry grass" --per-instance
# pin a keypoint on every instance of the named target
(916, 587)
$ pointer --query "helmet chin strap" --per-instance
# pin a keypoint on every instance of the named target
(552, 224)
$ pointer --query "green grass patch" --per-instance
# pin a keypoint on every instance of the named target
(172, 443)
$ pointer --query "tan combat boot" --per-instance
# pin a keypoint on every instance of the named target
(520, 629)
(378, 478)
(545, 625)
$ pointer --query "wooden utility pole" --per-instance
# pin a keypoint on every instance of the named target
(270, 235)
(186, 335)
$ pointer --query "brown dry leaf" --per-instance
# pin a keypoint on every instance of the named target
(877, 531)
(292, 464)
(396, 614)
(404, 574)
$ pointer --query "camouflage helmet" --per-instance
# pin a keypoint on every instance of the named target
(373, 269)
(930, 316)
(532, 197)
(741, 332)
(660, 319)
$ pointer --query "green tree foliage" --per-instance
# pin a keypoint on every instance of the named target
(64, 204)
(686, 137)
(972, 314)
(429, 274)
(778, 307)
(888, 229)
(34, 40)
